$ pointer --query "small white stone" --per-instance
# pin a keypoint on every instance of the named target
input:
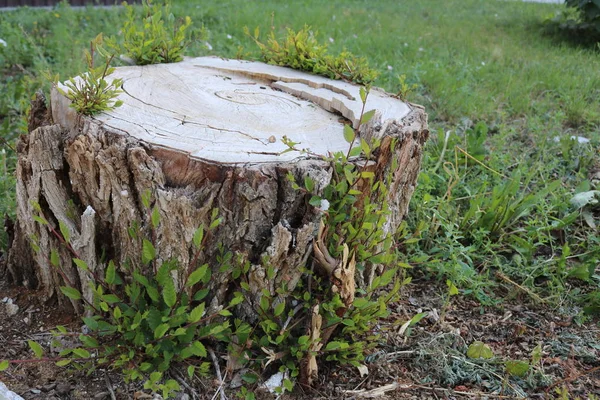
(3, 43)
(11, 309)
(324, 205)
(6, 394)
(124, 193)
(275, 381)
(229, 36)
(389, 67)
(331, 40)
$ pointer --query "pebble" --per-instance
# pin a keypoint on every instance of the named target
(63, 388)
(101, 395)
(11, 309)
(35, 391)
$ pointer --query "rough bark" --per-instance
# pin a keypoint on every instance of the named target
(91, 173)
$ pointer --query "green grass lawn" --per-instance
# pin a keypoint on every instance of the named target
(495, 85)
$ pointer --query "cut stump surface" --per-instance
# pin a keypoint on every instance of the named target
(202, 134)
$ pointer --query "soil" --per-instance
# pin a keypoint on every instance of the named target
(424, 361)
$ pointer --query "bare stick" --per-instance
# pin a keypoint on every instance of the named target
(219, 377)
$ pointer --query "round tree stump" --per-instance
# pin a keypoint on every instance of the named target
(194, 136)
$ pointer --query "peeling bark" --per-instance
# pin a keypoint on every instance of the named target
(91, 174)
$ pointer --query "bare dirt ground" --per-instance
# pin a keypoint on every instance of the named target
(426, 361)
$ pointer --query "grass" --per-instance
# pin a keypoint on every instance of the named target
(498, 88)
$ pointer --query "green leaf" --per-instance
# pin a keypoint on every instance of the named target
(81, 353)
(536, 354)
(54, 258)
(64, 231)
(169, 294)
(70, 292)
(148, 251)
(363, 94)
(198, 275)
(452, 289)
(418, 317)
(479, 350)
(110, 273)
(517, 368)
(155, 217)
(199, 349)
(191, 370)
(237, 299)
(160, 331)
(279, 308)
(63, 363)
(90, 323)
(225, 313)
(196, 313)
(367, 116)
(309, 184)
(288, 385)
(4, 365)
(36, 348)
(348, 322)
(198, 236)
(111, 298)
(81, 264)
(40, 220)
(349, 134)
(88, 341)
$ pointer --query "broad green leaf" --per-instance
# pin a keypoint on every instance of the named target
(225, 313)
(237, 299)
(88, 341)
(160, 331)
(64, 231)
(517, 368)
(63, 363)
(155, 217)
(309, 184)
(169, 293)
(4, 365)
(81, 353)
(148, 251)
(348, 322)
(70, 292)
(90, 323)
(54, 258)
(198, 275)
(367, 116)
(81, 264)
(111, 298)
(40, 220)
(196, 313)
(363, 94)
(479, 350)
(198, 236)
(199, 349)
(349, 134)
(110, 273)
(452, 289)
(36, 348)
(191, 370)
(279, 308)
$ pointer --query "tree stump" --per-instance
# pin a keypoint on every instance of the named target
(198, 135)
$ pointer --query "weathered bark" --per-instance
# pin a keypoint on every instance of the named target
(199, 135)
